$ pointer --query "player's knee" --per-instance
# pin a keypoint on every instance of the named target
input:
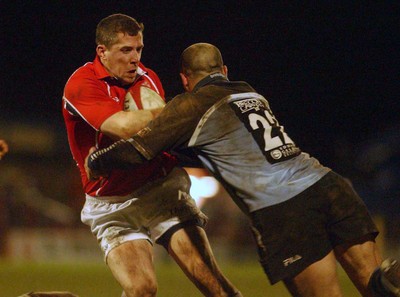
(142, 289)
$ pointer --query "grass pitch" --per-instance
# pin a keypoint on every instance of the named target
(95, 280)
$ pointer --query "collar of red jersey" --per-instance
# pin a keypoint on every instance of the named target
(140, 71)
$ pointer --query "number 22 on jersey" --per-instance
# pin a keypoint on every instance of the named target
(253, 110)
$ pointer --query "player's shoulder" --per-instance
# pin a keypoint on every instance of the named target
(189, 103)
(81, 75)
(186, 98)
(81, 81)
(86, 71)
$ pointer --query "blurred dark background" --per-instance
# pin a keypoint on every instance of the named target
(330, 70)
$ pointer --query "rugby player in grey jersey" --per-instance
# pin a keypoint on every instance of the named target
(304, 216)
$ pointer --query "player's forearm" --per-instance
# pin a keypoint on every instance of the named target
(120, 155)
(124, 124)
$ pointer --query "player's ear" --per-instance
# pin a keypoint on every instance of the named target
(101, 51)
(185, 82)
(225, 70)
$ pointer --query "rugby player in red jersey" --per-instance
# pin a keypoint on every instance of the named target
(112, 98)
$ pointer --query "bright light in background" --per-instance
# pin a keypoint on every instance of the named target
(203, 187)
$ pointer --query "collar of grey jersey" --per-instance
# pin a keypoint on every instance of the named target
(209, 79)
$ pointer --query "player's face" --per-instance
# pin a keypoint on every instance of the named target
(122, 58)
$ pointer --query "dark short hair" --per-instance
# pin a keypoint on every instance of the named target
(107, 28)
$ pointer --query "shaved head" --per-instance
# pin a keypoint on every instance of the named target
(201, 59)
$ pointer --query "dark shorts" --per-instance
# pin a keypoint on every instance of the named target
(296, 233)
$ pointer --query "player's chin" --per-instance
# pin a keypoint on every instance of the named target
(127, 80)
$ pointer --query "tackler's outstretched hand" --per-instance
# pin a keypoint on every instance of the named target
(3, 148)
(119, 155)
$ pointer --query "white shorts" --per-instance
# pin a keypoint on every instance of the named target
(147, 213)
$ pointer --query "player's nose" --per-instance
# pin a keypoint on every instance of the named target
(135, 57)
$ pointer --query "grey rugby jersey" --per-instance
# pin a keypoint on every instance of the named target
(233, 131)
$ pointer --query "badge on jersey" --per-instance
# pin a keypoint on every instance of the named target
(142, 97)
(253, 110)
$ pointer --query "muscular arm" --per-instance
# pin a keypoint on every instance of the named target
(87, 97)
(171, 129)
(124, 124)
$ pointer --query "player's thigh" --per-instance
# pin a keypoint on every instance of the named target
(132, 265)
(359, 259)
(320, 279)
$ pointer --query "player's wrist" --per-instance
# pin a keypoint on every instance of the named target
(107, 158)
(155, 112)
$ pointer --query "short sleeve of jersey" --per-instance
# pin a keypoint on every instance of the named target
(88, 97)
(172, 128)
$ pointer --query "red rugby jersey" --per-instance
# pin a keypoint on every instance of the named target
(90, 97)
